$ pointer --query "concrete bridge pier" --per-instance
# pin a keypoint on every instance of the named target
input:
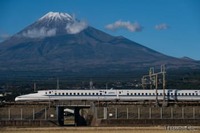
(60, 115)
(78, 119)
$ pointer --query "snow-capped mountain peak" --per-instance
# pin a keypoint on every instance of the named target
(57, 16)
(52, 24)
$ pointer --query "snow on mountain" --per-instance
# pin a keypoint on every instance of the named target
(54, 23)
(57, 16)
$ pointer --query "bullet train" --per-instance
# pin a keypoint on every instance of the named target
(112, 95)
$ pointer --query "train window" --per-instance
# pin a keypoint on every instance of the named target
(100, 93)
(97, 94)
(66, 93)
(161, 94)
(135, 94)
(89, 93)
(138, 94)
(55, 93)
(149, 94)
(131, 93)
(146, 94)
(193, 94)
(63, 93)
(189, 94)
(81, 93)
(77, 93)
(127, 93)
(58, 93)
(49, 92)
(45, 92)
(74, 93)
(142, 93)
(70, 93)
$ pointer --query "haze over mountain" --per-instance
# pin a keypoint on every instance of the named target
(58, 42)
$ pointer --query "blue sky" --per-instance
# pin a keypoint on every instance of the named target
(171, 27)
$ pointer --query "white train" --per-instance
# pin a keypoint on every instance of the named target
(112, 95)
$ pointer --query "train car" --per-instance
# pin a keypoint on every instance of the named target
(112, 95)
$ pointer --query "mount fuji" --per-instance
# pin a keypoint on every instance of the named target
(58, 42)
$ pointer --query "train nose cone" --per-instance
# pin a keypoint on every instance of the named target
(17, 99)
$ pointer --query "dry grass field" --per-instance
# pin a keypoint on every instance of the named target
(100, 130)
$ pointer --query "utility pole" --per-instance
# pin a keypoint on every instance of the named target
(151, 72)
(164, 82)
(151, 81)
(34, 87)
(91, 85)
(58, 84)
